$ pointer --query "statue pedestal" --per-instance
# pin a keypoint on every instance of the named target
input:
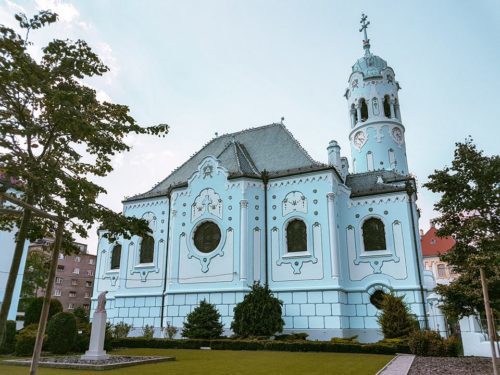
(96, 350)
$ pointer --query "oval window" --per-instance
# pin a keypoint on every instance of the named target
(207, 237)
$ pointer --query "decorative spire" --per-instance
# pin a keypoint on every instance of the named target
(364, 26)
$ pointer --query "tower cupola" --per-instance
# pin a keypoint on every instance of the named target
(377, 132)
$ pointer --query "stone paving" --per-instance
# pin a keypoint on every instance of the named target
(398, 366)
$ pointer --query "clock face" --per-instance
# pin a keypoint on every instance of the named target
(359, 139)
(397, 134)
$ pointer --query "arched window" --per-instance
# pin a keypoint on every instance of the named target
(392, 159)
(354, 115)
(375, 106)
(296, 236)
(369, 161)
(374, 234)
(364, 110)
(441, 271)
(147, 250)
(115, 257)
(396, 109)
(387, 106)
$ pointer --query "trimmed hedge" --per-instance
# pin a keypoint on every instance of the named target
(270, 345)
(10, 338)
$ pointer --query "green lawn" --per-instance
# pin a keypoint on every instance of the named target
(205, 362)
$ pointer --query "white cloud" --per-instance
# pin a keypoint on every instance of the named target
(67, 12)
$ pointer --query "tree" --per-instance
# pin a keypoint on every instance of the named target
(470, 213)
(203, 322)
(259, 314)
(81, 315)
(396, 320)
(55, 137)
(36, 273)
(61, 333)
(34, 309)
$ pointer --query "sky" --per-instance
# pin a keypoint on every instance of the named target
(220, 66)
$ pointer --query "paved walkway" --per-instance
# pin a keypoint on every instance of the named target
(398, 366)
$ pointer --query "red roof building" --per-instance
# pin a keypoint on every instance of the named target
(432, 247)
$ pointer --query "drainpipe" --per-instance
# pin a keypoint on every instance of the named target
(169, 196)
(265, 180)
(410, 190)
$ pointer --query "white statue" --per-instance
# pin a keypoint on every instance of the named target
(101, 302)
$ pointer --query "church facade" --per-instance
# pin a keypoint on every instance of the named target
(329, 239)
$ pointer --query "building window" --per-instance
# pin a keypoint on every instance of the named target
(374, 235)
(90, 273)
(88, 284)
(296, 236)
(87, 295)
(86, 306)
(377, 298)
(76, 270)
(77, 259)
(433, 241)
(354, 116)
(91, 261)
(74, 282)
(61, 256)
(147, 250)
(71, 306)
(369, 161)
(57, 292)
(364, 110)
(387, 106)
(207, 237)
(72, 294)
(115, 257)
(59, 280)
(60, 267)
(392, 159)
(441, 270)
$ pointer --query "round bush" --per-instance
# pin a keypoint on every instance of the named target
(427, 343)
(25, 340)
(82, 338)
(10, 338)
(34, 310)
(203, 322)
(259, 314)
(61, 333)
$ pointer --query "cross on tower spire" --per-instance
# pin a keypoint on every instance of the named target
(364, 26)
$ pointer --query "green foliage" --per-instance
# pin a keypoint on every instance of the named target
(36, 273)
(170, 331)
(82, 338)
(267, 345)
(61, 333)
(431, 344)
(345, 340)
(396, 319)
(10, 338)
(203, 322)
(301, 336)
(121, 330)
(470, 213)
(25, 340)
(259, 314)
(148, 331)
(34, 310)
(81, 315)
(108, 337)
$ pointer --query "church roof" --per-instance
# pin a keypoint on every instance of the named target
(376, 182)
(246, 153)
(370, 65)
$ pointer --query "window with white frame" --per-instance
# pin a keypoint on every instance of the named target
(59, 280)
(72, 294)
(296, 236)
(57, 292)
(76, 271)
(90, 273)
(71, 306)
(78, 259)
(374, 234)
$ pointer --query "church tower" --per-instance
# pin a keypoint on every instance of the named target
(377, 133)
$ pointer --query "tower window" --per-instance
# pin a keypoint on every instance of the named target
(147, 250)
(374, 234)
(396, 109)
(392, 159)
(115, 257)
(375, 106)
(364, 110)
(387, 106)
(296, 236)
(441, 271)
(354, 115)
(369, 161)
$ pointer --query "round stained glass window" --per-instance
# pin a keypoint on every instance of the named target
(207, 237)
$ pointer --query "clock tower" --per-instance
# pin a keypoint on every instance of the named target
(377, 132)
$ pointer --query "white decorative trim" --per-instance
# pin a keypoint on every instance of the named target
(207, 201)
(294, 201)
(299, 180)
(144, 204)
(356, 202)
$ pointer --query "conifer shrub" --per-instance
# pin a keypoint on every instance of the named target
(396, 320)
(259, 314)
(81, 315)
(34, 310)
(61, 333)
(203, 322)
(25, 340)
(10, 338)
(82, 338)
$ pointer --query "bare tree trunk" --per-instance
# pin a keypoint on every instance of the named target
(46, 299)
(491, 328)
(14, 271)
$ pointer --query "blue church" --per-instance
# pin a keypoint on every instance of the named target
(329, 239)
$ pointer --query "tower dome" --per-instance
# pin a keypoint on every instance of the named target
(377, 131)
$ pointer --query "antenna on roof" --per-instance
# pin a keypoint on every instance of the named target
(282, 119)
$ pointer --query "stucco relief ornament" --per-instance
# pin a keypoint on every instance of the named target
(354, 83)
(397, 134)
(359, 139)
(208, 171)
